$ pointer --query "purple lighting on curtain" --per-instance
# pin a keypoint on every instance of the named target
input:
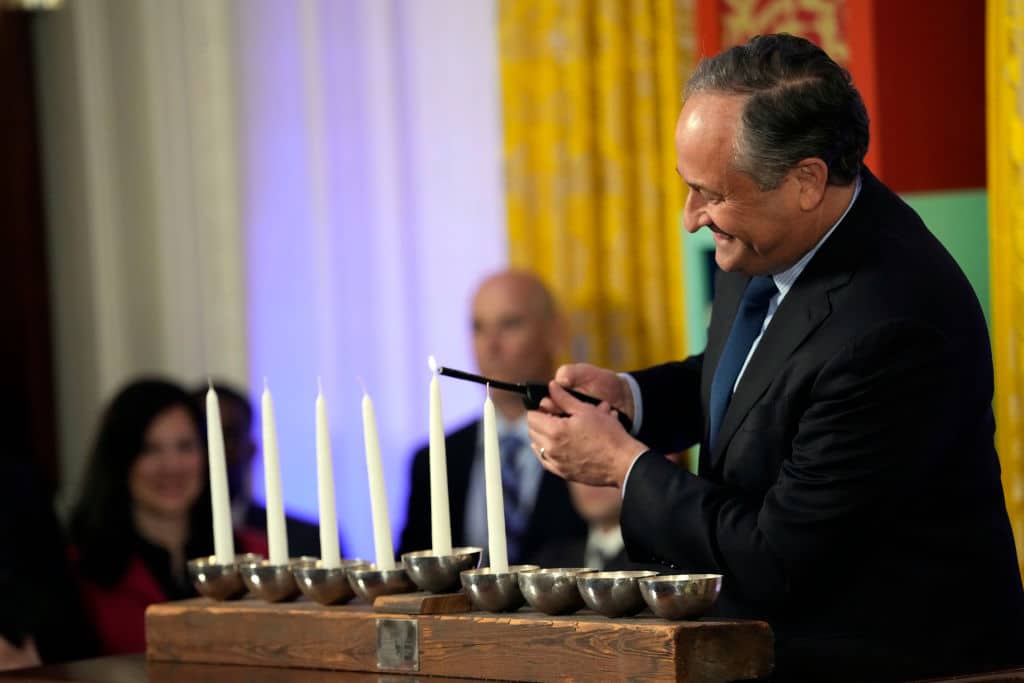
(373, 206)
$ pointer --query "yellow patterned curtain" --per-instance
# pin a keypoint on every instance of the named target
(591, 90)
(820, 21)
(1005, 50)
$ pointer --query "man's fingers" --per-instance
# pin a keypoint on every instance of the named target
(541, 425)
(566, 375)
(568, 403)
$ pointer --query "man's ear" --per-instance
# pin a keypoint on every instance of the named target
(812, 176)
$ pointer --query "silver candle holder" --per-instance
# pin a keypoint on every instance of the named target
(552, 591)
(325, 585)
(492, 591)
(270, 582)
(440, 573)
(613, 594)
(680, 596)
(219, 581)
(369, 582)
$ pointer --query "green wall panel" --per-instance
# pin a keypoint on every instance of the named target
(959, 219)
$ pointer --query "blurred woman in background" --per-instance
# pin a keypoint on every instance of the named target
(144, 511)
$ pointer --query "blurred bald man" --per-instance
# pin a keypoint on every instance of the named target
(517, 336)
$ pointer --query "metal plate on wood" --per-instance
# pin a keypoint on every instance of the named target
(398, 644)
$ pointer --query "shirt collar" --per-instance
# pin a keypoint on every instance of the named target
(608, 542)
(519, 427)
(785, 280)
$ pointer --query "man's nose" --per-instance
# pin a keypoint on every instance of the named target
(693, 213)
(492, 340)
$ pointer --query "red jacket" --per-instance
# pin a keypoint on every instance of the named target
(118, 612)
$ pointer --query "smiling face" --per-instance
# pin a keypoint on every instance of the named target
(756, 231)
(167, 476)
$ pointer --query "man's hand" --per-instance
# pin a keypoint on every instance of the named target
(597, 382)
(582, 442)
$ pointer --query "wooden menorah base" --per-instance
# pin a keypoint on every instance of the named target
(522, 646)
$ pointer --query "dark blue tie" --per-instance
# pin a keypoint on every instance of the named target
(745, 328)
(510, 445)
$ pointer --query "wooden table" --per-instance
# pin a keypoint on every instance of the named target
(136, 669)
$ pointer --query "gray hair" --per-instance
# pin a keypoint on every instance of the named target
(800, 105)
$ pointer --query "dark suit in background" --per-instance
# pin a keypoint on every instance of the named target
(553, 516)
(853, 495)
(303, 537)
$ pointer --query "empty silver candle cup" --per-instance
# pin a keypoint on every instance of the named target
(440, 573)
(323, 585)
(491, 591)
(219, 581)
(680, 596)
(613, 594)
(269, 582)
(552, 591)
(369, 582)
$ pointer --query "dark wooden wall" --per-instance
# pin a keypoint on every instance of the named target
(28, 422)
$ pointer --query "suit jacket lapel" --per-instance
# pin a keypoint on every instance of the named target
(803, 309)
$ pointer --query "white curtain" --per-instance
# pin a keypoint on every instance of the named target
(141, 181)
(373, 206)
(273, 188)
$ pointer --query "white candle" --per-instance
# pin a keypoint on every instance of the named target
(378, 497)
(277, 537)
(223, 538)
(440, 524)
(330, 556)
(497, 547)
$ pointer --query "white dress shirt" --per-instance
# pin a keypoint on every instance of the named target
(602, 545)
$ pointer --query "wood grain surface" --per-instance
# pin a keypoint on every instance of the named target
(422, 603)
(524, 645)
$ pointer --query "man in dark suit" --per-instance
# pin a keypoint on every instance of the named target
(848, 487)
(517, 334)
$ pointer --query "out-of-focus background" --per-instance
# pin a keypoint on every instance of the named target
(304, 189)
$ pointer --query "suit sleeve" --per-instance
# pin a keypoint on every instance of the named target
(880, 413)
(416, 534)
(673, 419)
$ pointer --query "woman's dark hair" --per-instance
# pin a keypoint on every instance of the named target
(800, 105)
(102, 527)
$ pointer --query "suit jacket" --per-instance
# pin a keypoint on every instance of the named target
(553, 515)
(853, 497)
(303, 537)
